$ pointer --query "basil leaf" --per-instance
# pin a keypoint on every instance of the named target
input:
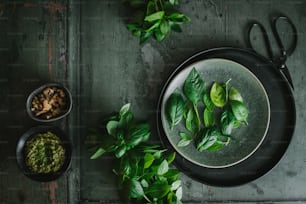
(171, 157)
(234, 95)
(137, 33)
(150, 7)
(158, 153)
(211, 140)
(159, 35)
(148, 160)
(207, 140)
(120, 151)
(98, 153)
(175, 27)
(185, 136)
(163, 168)
(209, 118)
(179, 193)
(138, 134)
(240, 111)
(175, 108)
(227, 122)
(132, 27)
(112, 127)
(158, 190)
(125, 109)
(191, 121)
(144, 183)
(194, 86)
(155, 16)
(186, 139)
(173, 2)
(175, 185)
(165, 27)
(183, 143)
(172, 175)
(218, 145)
(178, 18)
(136, 190)
(218, 95)
(144, 37)
(126, 119)
(153, 27)
(125, 166)
(170, 198)
(208, 103)
(237, 124)
(176, 15)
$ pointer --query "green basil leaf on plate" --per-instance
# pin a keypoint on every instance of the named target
(218, 95)
(175, 108)
(191, 122)
(234, 95)
(194, 87)
(209, 118)
(240, 111)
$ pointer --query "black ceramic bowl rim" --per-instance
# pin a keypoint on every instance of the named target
(20, 153)
(39, 90)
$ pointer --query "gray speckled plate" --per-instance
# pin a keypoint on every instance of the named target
(250, 137)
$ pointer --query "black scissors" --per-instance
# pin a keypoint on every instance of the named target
(279, 61)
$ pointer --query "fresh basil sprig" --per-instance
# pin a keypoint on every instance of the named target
(147, 175)
(144, 171)
(214, 129)
(124, 133)
(155, 18)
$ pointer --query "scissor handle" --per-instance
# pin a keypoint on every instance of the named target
(265, 36)
(284, 52)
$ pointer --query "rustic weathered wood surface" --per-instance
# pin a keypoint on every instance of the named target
(85, 45)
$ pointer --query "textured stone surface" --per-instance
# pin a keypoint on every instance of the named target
(116, 70)
(85, 44)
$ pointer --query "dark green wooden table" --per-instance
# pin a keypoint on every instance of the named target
(86, 46)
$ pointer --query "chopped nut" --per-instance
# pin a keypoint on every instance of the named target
(48, 92)
(49, 103)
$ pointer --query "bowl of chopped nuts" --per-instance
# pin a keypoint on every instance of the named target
(49, 102)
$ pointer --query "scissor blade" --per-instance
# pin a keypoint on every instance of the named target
(286, 74)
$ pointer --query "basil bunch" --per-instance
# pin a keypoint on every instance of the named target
(124, 133)
(143, 171)
(145, 174)
(209, 132)
(155, 18)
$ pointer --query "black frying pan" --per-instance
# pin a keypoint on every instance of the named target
(279, 134)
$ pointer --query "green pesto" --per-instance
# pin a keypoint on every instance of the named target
(44, 153)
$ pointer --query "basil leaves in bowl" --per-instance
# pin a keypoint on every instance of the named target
(43, 153)
(215, 113)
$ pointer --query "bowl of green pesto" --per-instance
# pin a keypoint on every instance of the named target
(43, 153)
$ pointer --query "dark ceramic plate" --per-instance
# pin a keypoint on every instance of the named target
(20, 153)
(64, 111)
(248, 137)
(279, 130)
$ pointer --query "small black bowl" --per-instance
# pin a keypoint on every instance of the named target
(21, 154)
(64, 110)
